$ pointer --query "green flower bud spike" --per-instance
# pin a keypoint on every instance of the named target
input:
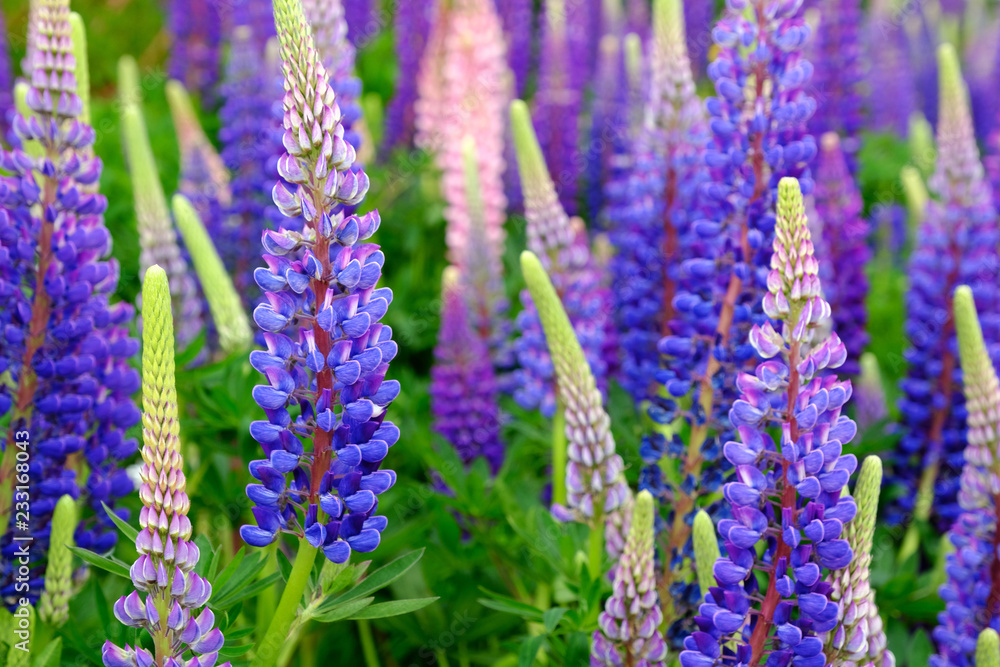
(921, 139)
(129, 86)
(706, 550)
(235, 334)
(53, 606)
(988, 649)
(194, 143)
(916, 195)
(860, 636)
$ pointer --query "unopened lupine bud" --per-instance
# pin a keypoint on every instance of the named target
(706, 550)
(988, 648)
(53, 606)
(921, 140)
(231, 321)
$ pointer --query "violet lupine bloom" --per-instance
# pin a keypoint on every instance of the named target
(361, 24)
(66, 350)
(196, 30)
(518, 19)
(326, 351)
(6, 83)
(629, 631)
(558, 101)
(411, 29)
(463, 387)
(247, 138)
(557, 242)
(972, 591)
(790, 498)
(891, 79)
(164, 570)
(330, 35)
(845, 245)
(956, 244)
(837, 54)
(698, 17)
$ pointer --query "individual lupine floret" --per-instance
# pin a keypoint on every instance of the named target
(839, 76)
(559, 100)
(164, 570)
(893, 95)
(972, 591)
(463, 387)
(196, 31)
(204, 178)
(859, 638)
(327, 353)
(845, 245)
(787, 498)
(956, 245)
(595, 484)
(53, 606)
(66, 351)
(231, 322)
(517, 17)
(464, 91)
(553, 239)
(629, 631)
(249, 144)
(330, 35)
(157, 238)
(411, 29)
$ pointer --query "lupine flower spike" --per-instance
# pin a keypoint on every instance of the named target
(231, 321)
(788, 499)
(595, 480)
(552, 238)
(629, 631)
(6, 83)
(891, 80)
(957, 244)
(840, 75)
(859, 638)
(972, 591)
(164, 570)
(196, 30)
(66, 350)
(411, 28)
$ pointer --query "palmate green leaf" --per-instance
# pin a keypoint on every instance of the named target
(510, 605)
(393, 608)
(51, 655)
(339, 612)
(381, 577)
(551, 617)
(126, 529)
(112, 565)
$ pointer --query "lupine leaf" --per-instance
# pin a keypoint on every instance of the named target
(393, 608)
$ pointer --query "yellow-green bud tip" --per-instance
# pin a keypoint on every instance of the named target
(668, 22)
(971, 346)
(530, 160)
(706, 550)
(988, 649)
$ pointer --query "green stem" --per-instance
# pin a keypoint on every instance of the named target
(559, 457)
(463, 655)
(268, 648)
(368, 643)
(596, 551)
(442, 657)
(267, 599)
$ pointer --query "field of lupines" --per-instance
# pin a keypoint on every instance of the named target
(633, 333)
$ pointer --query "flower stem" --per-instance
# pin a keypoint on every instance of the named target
(270, 645)
(368, 643)
(596, 550)
(559, 457)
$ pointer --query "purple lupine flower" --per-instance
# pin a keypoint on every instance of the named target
(6, 82)
(411, 29)
(971, 591)
(582, 29)
(698, 18)
(845, 244)
(559, 99)
(248, 143)
(923, 42)
(330, 35)
(561, 246)
(518, 19)
(463, 387)
(66, 351)
(164, 570)
(893, 95)
(362, 24)
(327, 352)
(789, 498)
(839, 75)
(956, 244)
(611, 119)
(196, 31)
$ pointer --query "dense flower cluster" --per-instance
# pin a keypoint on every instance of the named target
(845, 246)
(164, 570)
(66, 349)
(892, 86)
(6, 83)
(411, 28)
(196, 29)
(326, 349)
(791, 497)
(956, 244)
(517, 17)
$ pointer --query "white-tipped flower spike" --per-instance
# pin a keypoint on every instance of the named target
(164, 570)
(629, 631)
(595, 482)
(988, 649)
(231, 321)
(706, 550)
(53, 606)
(859, 638)
(157, 238)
